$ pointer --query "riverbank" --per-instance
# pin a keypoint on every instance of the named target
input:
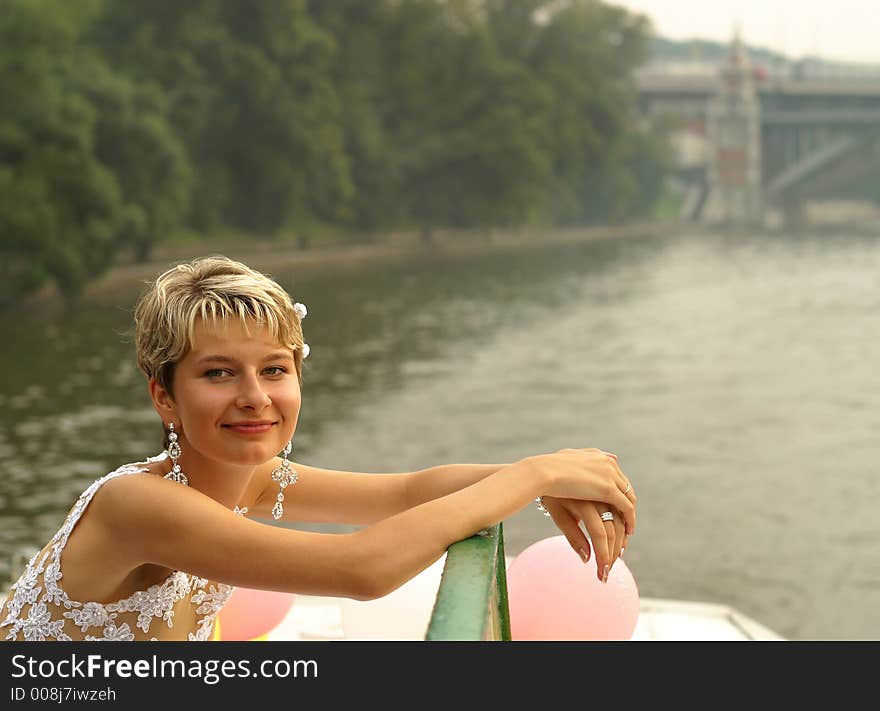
(269, 256)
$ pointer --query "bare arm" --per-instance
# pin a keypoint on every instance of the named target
(330, 496)
(420, 535)
(157, 521)
(414, 535)
(434, 482)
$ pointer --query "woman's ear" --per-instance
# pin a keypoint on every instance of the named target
(162, 401)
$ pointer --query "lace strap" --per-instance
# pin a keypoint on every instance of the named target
(59, 540)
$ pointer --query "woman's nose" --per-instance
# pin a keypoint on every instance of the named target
(251, 394)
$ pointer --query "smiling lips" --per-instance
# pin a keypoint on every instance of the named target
(257, 427)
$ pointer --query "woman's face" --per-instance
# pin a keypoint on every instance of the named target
(236, 395)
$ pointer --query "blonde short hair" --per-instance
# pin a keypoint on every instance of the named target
(214, 289)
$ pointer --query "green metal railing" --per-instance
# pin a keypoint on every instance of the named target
(471, 601)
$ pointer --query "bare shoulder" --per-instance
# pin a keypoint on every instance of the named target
(133, 507)
(132, 491)
(102, 551)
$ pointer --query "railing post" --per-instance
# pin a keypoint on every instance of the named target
(471, 600)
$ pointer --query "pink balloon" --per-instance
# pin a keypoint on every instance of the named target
(553, 595)
(251, 613)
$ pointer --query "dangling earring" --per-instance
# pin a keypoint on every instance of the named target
(285, 475)
(174, 454)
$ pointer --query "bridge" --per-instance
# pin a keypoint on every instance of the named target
(751, 143)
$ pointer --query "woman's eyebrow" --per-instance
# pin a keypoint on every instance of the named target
(278, 355)
(216, 359)
(275, 355)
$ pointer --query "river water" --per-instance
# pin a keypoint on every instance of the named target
(735, 377)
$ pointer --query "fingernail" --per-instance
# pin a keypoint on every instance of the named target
(583, 554)
(621, 552)
(605, 574)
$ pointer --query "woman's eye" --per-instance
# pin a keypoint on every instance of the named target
(216, 373)
(275, 370)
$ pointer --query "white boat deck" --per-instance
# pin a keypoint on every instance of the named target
(317, 618)
(680, 620)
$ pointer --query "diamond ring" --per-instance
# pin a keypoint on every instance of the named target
(628, 487)
(607, 516)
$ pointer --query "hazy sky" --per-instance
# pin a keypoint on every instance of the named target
(844, 30)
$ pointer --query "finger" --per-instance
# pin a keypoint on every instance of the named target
(619, 536)
(625, 483)
(613, 544)
(599, 537)
(630, 492)
(620, 478)
(567, 522)
(625, 507)
(629, 497)
(615, 496)
(625, 503)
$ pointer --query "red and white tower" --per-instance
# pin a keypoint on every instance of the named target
(733, 128)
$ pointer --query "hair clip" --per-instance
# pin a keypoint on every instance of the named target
(302, 312)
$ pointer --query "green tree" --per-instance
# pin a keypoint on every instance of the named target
(61, 209)
(584, 53)
(248, 89)
(461, 119)
(357, 71)
(133, 138)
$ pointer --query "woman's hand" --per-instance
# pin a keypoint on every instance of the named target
(589, 475)
(609, 538)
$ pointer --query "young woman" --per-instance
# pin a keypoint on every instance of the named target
(151, 551)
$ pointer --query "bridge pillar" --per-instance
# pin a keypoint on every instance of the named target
(733, 125)
(794, 213)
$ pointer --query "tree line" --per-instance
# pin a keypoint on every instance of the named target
(123, 122)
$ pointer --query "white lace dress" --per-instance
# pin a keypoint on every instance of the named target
(38, 609)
